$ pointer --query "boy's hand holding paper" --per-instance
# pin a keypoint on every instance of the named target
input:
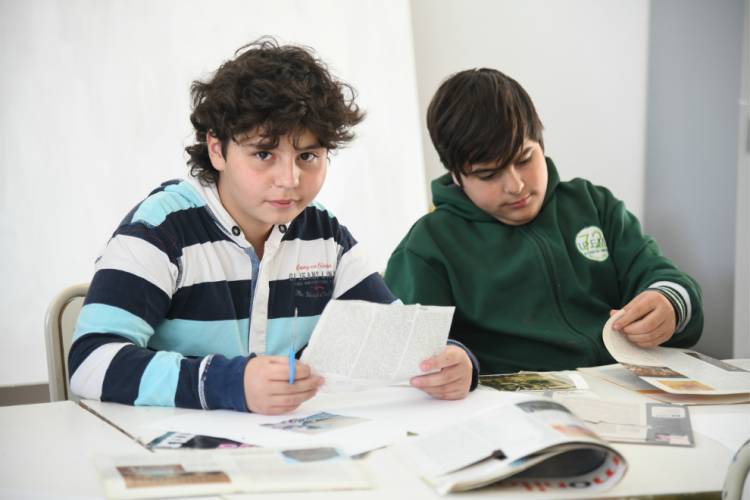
(648, 320)
(361, 344)
(453, 377)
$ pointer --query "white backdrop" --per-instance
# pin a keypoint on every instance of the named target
(95, 114)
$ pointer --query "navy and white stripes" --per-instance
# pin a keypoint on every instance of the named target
(678, 296)
(170, 317)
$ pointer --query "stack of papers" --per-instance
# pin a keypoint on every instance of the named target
(677, 371)
(254, 470)
(633, 422)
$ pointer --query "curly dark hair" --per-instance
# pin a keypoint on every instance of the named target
(276, 90)
(481, 115)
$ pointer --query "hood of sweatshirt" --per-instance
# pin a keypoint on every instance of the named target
(448, 196)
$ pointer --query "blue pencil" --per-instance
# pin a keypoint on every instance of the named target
(291, 348)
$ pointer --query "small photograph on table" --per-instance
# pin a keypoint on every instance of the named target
(150, 476)
(316, 424)
(526, 381)
(653, 371)
(686, 385)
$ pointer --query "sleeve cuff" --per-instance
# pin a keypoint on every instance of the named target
(474, 363)
(678, 296)
(222, 381)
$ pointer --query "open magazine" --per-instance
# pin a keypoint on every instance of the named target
(619, 375)
(358, 344)
(250, 470)
(525, 442)
(676, 371)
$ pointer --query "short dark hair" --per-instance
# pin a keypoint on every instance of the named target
(481, 115)
(275, 89)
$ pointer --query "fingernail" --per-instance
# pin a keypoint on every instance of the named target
(424, 366)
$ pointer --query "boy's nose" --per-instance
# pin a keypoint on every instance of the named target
(288, 175)
(512, 182)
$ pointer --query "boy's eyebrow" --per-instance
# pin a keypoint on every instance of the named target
(313, 145)
(483, 170)
(524, 151)
(264, 143)
(255, 142)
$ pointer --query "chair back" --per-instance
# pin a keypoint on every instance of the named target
(59, 324)
(737, 482)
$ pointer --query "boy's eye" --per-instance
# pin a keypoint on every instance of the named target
(524, 161)
(487, 175)
(308, 156)
(263, 155)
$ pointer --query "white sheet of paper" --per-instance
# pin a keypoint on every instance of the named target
(390, 413)
(375, 343)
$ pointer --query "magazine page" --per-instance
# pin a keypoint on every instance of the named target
(619, 375)
(358, 344)
(561, 468)
(502, 441)
(192, 473)
(676, 371)
(632, 421)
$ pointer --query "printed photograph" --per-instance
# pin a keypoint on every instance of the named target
(316, 424)
(176, 440)
(311, 455)
(525, 381)
(685, 385)
(652, 371)
(150, 476)
(715, 362)
(534, 406)
(575, 431)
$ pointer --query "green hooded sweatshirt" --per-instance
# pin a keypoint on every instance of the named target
(535, 297)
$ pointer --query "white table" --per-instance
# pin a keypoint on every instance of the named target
(652, 470)
(47, 450)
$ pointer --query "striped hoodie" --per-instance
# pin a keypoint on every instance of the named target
(179, 301)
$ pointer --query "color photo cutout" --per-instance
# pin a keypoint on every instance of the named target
(526, 381)
(316, 423)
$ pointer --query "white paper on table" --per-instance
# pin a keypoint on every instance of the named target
(599, 410)
(390, 413)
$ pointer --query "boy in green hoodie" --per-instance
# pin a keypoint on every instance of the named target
(533, 265)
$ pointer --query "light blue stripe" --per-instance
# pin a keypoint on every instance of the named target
(279, 334)
(201, 338)
(159, 380)
(186, 191)
(321, 208)
(102, 318)
(175, 197)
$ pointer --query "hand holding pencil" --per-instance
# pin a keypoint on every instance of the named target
(267, 387)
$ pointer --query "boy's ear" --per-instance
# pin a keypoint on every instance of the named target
(214, 151)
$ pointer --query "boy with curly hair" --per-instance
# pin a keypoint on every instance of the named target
(193, 298)
(533, 265)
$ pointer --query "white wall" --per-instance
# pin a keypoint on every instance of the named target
(742, 247)
(691, 160)
(583, 62)
(95, 114)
